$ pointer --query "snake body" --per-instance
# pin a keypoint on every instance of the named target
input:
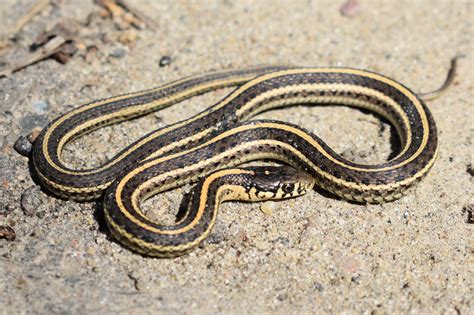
(221, 137)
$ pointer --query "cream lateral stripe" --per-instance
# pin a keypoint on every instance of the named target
(363, 73)
(106, 101)
(140, 93)
(205, 190)
(151, 246)
(142, 108)
(134, 109)
(67, 188)
(346, 101)
(150, 182)
(407, 93)
(202, 204)
(316, 87)
(182, 142)
(251, 108)
(160, 151)
(310, 139)
(238, 129)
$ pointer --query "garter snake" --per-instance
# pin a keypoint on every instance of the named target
(210, 143)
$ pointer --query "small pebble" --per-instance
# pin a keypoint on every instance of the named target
(215, 238)
(118, 52)
(41, 107)
(165, 61)
(7, 233)
(350, 8)
(318, 286)
(30, 202)
(283, 240)
(91, 251)
(40, 214)
(9, 208)
(128, 37)
(23, 146)
(262, 245)
(268, 207)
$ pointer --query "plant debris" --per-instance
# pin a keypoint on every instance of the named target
(7, 233)
(58, 43)
(69, 32)
(70, 38)
(43, 52)
(124, 15)
(23, 146)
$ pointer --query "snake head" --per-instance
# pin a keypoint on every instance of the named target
(278, 182)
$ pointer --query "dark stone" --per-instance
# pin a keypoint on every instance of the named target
(165, 61)
(23, 146)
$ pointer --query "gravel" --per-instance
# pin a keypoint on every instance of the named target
(314, 254)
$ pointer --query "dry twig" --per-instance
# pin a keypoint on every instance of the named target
(43, 52)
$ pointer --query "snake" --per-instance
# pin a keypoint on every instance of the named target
(208, 148)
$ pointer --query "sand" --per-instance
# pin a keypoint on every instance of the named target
(314, 254)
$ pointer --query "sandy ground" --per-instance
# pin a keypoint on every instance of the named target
(311, 254)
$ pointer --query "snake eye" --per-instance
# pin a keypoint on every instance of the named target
(287, 188)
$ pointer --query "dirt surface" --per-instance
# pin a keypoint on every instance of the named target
(311, 254)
